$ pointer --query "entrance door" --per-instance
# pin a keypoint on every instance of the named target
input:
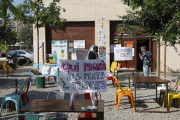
(140, 43)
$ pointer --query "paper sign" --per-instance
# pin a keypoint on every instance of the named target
(73, 56)
(128, 43)
(132, 51)
(102, 37)
(59, 50)
(122, 53)
(112, 47)
(82, 76)
(79, 43)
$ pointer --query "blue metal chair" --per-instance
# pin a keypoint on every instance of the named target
(32, 116)
(15, 97)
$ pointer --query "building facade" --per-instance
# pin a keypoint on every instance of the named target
(85, 18)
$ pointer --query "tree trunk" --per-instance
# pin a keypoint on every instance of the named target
(165, 60)
(37, 38)
(158, 59)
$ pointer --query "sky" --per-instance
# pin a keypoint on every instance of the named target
(17, 2)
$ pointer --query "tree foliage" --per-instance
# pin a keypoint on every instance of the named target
(10, 36)
(7, 36)
(46, 15)
(6, 5)
(25, 37)
(154, 17)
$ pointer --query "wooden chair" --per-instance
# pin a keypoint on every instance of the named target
(122, 93)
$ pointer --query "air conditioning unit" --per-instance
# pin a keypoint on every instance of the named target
(2, 21)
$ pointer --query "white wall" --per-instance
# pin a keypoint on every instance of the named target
(172, 58)
(100, 11)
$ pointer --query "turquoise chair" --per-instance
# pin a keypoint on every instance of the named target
(14, 97)
(32, 116)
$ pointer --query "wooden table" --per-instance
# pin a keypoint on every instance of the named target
(44, 105)
(3, 81)
(149, 79)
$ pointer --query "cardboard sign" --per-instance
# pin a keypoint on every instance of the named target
(122, 53)
(82, 76)
(59, 50)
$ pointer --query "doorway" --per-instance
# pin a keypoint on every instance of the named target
(140, 43)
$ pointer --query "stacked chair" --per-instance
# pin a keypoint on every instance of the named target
(16, 98)
(24, 95)
(172, 95)
(171, 86)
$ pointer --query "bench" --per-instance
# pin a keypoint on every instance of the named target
(35, 66)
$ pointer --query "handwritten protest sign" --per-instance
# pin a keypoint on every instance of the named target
(122, 53)
(82, 76)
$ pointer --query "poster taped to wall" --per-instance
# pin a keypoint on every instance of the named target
(128, 43)
(123, 53)
(102, 37)
(59, 50)
(81, 76)
(79, 44)
(102, 52)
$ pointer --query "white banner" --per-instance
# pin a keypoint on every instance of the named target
(123, 53)
(82, 76)
(59, 50)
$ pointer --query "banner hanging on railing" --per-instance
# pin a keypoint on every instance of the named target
(82, 76)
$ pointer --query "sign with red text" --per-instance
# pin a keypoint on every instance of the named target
(123, 53)
(82, 76)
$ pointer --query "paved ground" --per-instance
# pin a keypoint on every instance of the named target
(125, 111)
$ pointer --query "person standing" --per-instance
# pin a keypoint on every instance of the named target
(93, 55)
(146, 56)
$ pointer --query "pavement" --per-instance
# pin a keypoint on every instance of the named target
(125, 111)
